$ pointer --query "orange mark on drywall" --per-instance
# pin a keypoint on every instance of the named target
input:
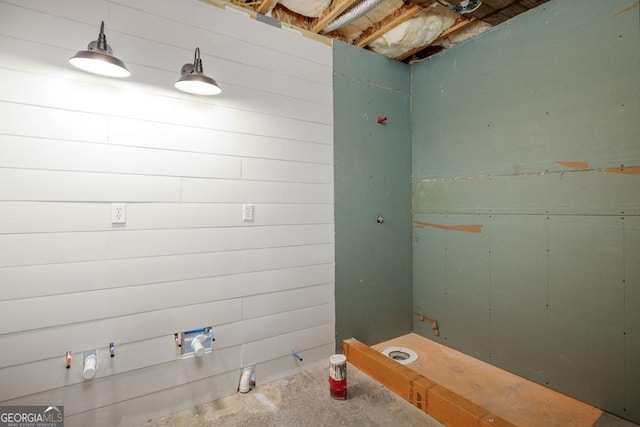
(574, 165)
(469, 228)
(630, 170)
(628, 9)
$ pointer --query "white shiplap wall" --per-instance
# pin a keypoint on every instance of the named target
(72, 143)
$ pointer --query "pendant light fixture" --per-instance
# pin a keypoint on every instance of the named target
(193, 80)
(98, 58)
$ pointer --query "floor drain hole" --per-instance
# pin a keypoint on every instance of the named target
(399, 355)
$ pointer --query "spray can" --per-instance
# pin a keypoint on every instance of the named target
(338, 376)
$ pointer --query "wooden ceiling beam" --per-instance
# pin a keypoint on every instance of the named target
(336, 9)
(455, 27)
(264, 6)
(404, 13)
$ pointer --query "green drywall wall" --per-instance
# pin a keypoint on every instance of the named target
(521, 133)
(372, 177)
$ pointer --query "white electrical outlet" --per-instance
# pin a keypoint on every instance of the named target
(247, 212)
(118, 213)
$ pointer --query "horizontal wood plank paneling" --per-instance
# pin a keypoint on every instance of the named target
(278, 346)
(219, 44)
(198, 139)
(154, 405)
(32, 153)
(273, 170)
(139, 354)
(47, 217)
(39, 185)
(170, 242)
(19, 119)
(220, 56)
(17, 315)
(285, 95)
(176, 267)
(259, 328)
(105, 100)
(129, 357)
(200, 190)
(275, 302)
(74, 143)
(34, 249)
(99, 333)
(52, 279)
(86, 396)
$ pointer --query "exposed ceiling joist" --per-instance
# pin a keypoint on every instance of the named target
(407, 11)
(265, 5)
(387, 15)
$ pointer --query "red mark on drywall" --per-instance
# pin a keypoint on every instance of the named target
(469, 228)
(629, 170)
(628, 9)
(381, 120)
(573, 165)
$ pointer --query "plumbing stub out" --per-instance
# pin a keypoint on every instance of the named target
(195, 342)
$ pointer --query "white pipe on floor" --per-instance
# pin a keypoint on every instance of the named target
(245, 379)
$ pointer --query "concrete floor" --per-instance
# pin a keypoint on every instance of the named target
(303, 400)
